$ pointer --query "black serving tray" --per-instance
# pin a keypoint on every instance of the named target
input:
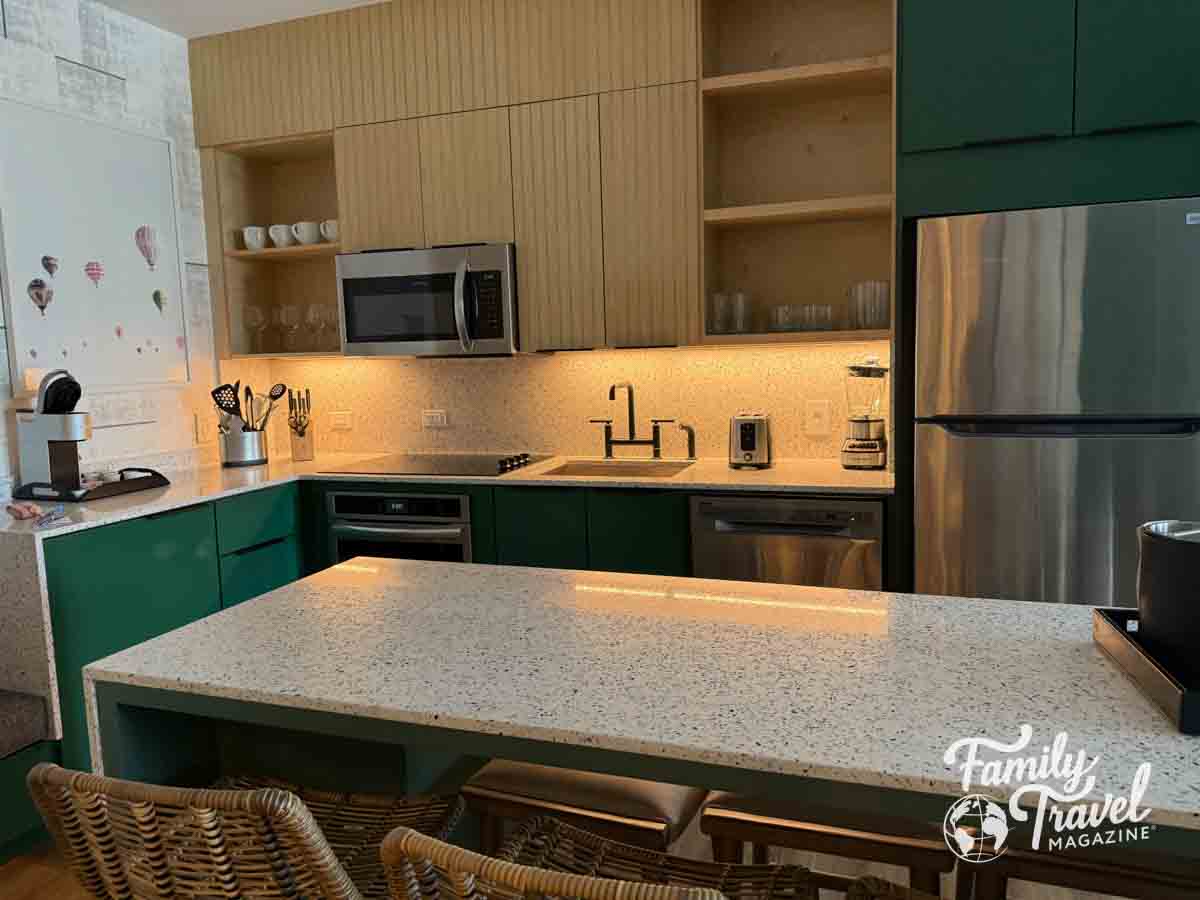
(1175, 694)
(130, 480)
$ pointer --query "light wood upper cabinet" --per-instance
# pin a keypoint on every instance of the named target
(261, 83)
(649, 147)
(368, 66)
(565, 48)
(379, 186)
(466, 177)
(556, 188)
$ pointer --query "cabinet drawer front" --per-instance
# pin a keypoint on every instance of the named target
(541, 527)
(256, 518)
(257, 571)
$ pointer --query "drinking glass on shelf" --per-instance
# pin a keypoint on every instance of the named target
(333, 334)
(256, 323)
(740, 313)
(289, 320)
(781, 318)
(314, 326)
(718, 313)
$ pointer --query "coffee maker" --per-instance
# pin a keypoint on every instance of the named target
(48, 439)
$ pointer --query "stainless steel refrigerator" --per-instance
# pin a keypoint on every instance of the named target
(1057, 397)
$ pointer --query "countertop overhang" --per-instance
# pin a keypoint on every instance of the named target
(867, 688)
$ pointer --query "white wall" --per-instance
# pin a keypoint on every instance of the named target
(83, 57)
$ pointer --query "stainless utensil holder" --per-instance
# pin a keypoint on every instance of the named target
(304, 446)
(243, 448)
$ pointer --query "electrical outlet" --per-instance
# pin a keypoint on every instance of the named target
(434, 418)
(818, 418)
(340, 421)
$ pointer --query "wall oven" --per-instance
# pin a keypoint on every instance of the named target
(449, 301)
(399, 526)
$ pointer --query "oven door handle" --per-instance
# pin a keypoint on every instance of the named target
(431, 533)
(460, 305)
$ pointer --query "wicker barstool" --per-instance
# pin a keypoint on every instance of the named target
(249, 838)
(548, 843)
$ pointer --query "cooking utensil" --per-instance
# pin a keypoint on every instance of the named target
(276, 393)
(300, 406)
(226, 399)
(248, 409)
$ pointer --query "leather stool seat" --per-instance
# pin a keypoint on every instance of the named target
(645, 813)
(732, 820)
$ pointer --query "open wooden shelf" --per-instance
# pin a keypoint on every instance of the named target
(796, 337)
(285, 254)
(868, 206)
(853, 75)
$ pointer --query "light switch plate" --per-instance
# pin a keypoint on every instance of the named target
(817, 418)
(341, 421)
(434, 418)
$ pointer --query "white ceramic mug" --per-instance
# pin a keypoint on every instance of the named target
(254, 237)
(329, 230)
(281, 235)
(307, 232)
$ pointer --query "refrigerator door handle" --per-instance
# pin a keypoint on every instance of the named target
(1032, 429)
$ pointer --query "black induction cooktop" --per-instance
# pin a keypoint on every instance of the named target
(473, 465)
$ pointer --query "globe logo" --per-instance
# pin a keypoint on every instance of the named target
(976, 828)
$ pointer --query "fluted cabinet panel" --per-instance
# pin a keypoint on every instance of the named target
(466, 177)
(379, 186)
(556, 189)
(448, 55)
(648, 140)
(564, 48)
(368, 83)
(266, 82)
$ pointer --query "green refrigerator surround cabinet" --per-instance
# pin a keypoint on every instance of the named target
(974, 73)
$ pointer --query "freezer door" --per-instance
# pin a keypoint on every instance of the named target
(1087, 310)
(1045, 518)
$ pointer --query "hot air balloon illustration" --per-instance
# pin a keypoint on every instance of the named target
(181, 342)
(50, 264)
(119, 332)
(147, 244)
(160, 300)
(94, 271)
(40, 294)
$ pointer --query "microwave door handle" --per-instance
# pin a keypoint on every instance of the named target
(460, 305)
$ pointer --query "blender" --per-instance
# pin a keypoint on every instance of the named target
(865, 446)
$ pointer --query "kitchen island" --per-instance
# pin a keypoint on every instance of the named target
(798, 692)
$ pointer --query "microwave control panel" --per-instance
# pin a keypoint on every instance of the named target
(489, 305)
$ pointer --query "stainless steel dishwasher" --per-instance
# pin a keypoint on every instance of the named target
(788, 540)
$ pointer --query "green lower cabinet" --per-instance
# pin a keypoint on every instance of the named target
(259, 570)
(20, 823)
(639, 531)
(257, 517)
(120, 585)
(542, 527)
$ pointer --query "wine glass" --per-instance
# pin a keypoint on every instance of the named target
(256, 328)
(314, 326)
(289, 320)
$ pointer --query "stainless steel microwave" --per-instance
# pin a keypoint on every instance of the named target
(450, 301)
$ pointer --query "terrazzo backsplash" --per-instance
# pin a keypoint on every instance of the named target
(542, 403)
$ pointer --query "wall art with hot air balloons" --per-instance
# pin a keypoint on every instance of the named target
(90, 265)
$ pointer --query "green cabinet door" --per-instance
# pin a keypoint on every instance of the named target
(120, 585)
(1137, 64)
(639, 531)
(985, 72)
(544, 527)
(259, 570)
(257, 517)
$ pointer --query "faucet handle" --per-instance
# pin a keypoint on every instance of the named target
(601, 421)
(661, 421)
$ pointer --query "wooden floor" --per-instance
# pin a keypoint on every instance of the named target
(41, 876)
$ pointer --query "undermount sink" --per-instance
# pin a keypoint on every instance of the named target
(621, 468)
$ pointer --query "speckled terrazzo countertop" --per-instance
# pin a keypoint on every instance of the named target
(213, 483)
(859, 687)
